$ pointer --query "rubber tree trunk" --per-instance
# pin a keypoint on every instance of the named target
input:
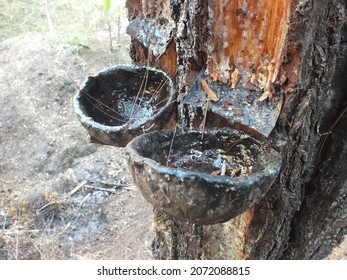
(295, 50)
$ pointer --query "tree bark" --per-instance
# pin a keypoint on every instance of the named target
(304, 215)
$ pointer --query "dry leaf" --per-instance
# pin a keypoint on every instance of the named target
(209, 91)
(234, 78)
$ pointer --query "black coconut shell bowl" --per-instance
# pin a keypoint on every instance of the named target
(204, 180)
(125, 101)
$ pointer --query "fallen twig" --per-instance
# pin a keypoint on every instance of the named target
(46, 205)
(85, 198)
(77, 188)
(100, 189)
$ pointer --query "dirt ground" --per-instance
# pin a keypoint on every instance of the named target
(45, 155)
(62, 197)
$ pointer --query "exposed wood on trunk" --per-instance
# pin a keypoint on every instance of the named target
(151, 28)
(249, 36)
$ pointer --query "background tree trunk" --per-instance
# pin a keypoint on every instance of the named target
(304, 215)
(49, 17)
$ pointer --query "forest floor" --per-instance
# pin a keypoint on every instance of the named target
(45, 155)
(62, 197)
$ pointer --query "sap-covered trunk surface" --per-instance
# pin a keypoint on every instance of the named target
(304, 215)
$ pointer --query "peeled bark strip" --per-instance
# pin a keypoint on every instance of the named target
(300, 54)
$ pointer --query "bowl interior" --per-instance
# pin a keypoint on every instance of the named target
(123, 95)
(223, 152)
(204, 180)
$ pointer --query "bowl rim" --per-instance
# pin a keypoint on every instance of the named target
(270, 169)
